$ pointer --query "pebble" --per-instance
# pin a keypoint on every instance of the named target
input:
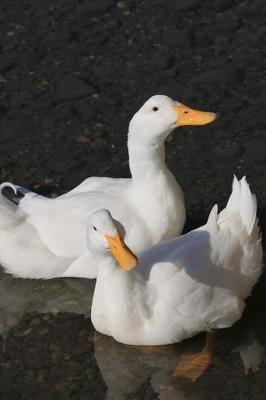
(71, 88)
(256, 150)
(96, 7)
(186, 5)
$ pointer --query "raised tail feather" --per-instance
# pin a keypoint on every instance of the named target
(18, 194)
(7, 208)
(8, 204)
(243, 203)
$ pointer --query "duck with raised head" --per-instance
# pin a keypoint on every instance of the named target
(45, 238)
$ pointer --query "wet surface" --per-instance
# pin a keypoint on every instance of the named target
(50, 350)
(72, 73)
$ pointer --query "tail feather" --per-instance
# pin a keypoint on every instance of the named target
(243, 203)
(213, 219)
(19, 192)
(7, 208)
(240, 216)
(5, 203)
(233, 201)
(10, 213)
(248, 210)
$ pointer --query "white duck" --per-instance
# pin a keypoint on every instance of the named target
(192, 283)
(45, 238)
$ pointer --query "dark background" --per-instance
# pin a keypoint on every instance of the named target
(72, 74)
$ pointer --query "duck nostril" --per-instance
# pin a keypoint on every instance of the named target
(186, 112)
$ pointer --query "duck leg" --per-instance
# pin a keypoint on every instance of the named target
(193, 366)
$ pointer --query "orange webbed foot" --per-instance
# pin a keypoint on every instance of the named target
(193, 366)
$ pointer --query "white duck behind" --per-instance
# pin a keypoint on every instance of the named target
(195, 282)
(46, 237)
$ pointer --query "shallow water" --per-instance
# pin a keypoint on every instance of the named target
(50, 350)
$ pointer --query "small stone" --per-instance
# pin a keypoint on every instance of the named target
(204, 37)
(256, 150)
(72, 88)
(177, 37)
(186, 5)
(35, 322)
(226, 23)
(44, 332)
(222, 76)
(121, 4)
(86, 111)
(83, 139)
(222, 5)
(96, 7)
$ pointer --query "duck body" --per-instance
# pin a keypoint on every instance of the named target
(49, 238)
(45, 238)
(61, 222)
(192, 283)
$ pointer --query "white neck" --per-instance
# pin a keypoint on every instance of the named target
(119, 284)
(145, 160)
(155, 186)
(120, 296)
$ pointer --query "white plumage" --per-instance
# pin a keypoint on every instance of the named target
(45, 238)
(195, 282)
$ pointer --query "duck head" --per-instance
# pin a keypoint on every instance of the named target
(160, 115)
(105, 236)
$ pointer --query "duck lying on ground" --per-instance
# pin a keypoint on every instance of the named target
(45, 238)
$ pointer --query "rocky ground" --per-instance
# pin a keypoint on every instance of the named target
(73, 72)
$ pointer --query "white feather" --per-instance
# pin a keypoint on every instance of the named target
(150, 206)
(195, 282)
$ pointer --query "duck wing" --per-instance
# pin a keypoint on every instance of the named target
(206, 274)
(23, 253)
(100, 184)
(60, 222)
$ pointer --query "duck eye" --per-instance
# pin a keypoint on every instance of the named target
(94, 228)
(155, 109)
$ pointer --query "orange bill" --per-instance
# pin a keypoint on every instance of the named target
(123, 255)
(188, 116)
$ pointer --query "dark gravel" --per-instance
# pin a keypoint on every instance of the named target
(73, 72)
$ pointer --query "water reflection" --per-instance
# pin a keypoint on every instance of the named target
(52, 319)
(20, 296)
(252, 355)
(125, 368)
